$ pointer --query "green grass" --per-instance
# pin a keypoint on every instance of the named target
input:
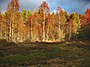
(47, 55)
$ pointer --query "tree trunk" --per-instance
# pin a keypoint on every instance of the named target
(44, 28)
(31, 31)
(59, 30)
(70, 34)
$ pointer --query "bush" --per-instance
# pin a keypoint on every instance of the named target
(85, 33)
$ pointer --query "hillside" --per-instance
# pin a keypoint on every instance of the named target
(65, 54)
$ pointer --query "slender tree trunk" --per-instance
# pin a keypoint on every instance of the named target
(31, 31)
(28, 36)
(70, 34)
(10, 31)
(47, 34)
(59, 30)
(0, 29)
(17, 35)
(44, 28)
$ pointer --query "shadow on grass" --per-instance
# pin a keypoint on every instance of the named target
(5, 44)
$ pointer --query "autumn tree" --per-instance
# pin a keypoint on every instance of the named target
(13, 5)
(51, 28)
(62, 18)
(85, 25)
(12, 9)
(73, 25)
(1, 19)
(44, 9)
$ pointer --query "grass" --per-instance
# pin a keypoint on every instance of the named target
(46, 55)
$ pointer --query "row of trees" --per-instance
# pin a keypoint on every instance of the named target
(41, 25)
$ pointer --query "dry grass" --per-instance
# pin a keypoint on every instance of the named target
(66, 54)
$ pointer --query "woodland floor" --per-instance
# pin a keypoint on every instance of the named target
(65, 54)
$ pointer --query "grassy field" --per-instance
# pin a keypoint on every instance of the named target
(66, 54)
